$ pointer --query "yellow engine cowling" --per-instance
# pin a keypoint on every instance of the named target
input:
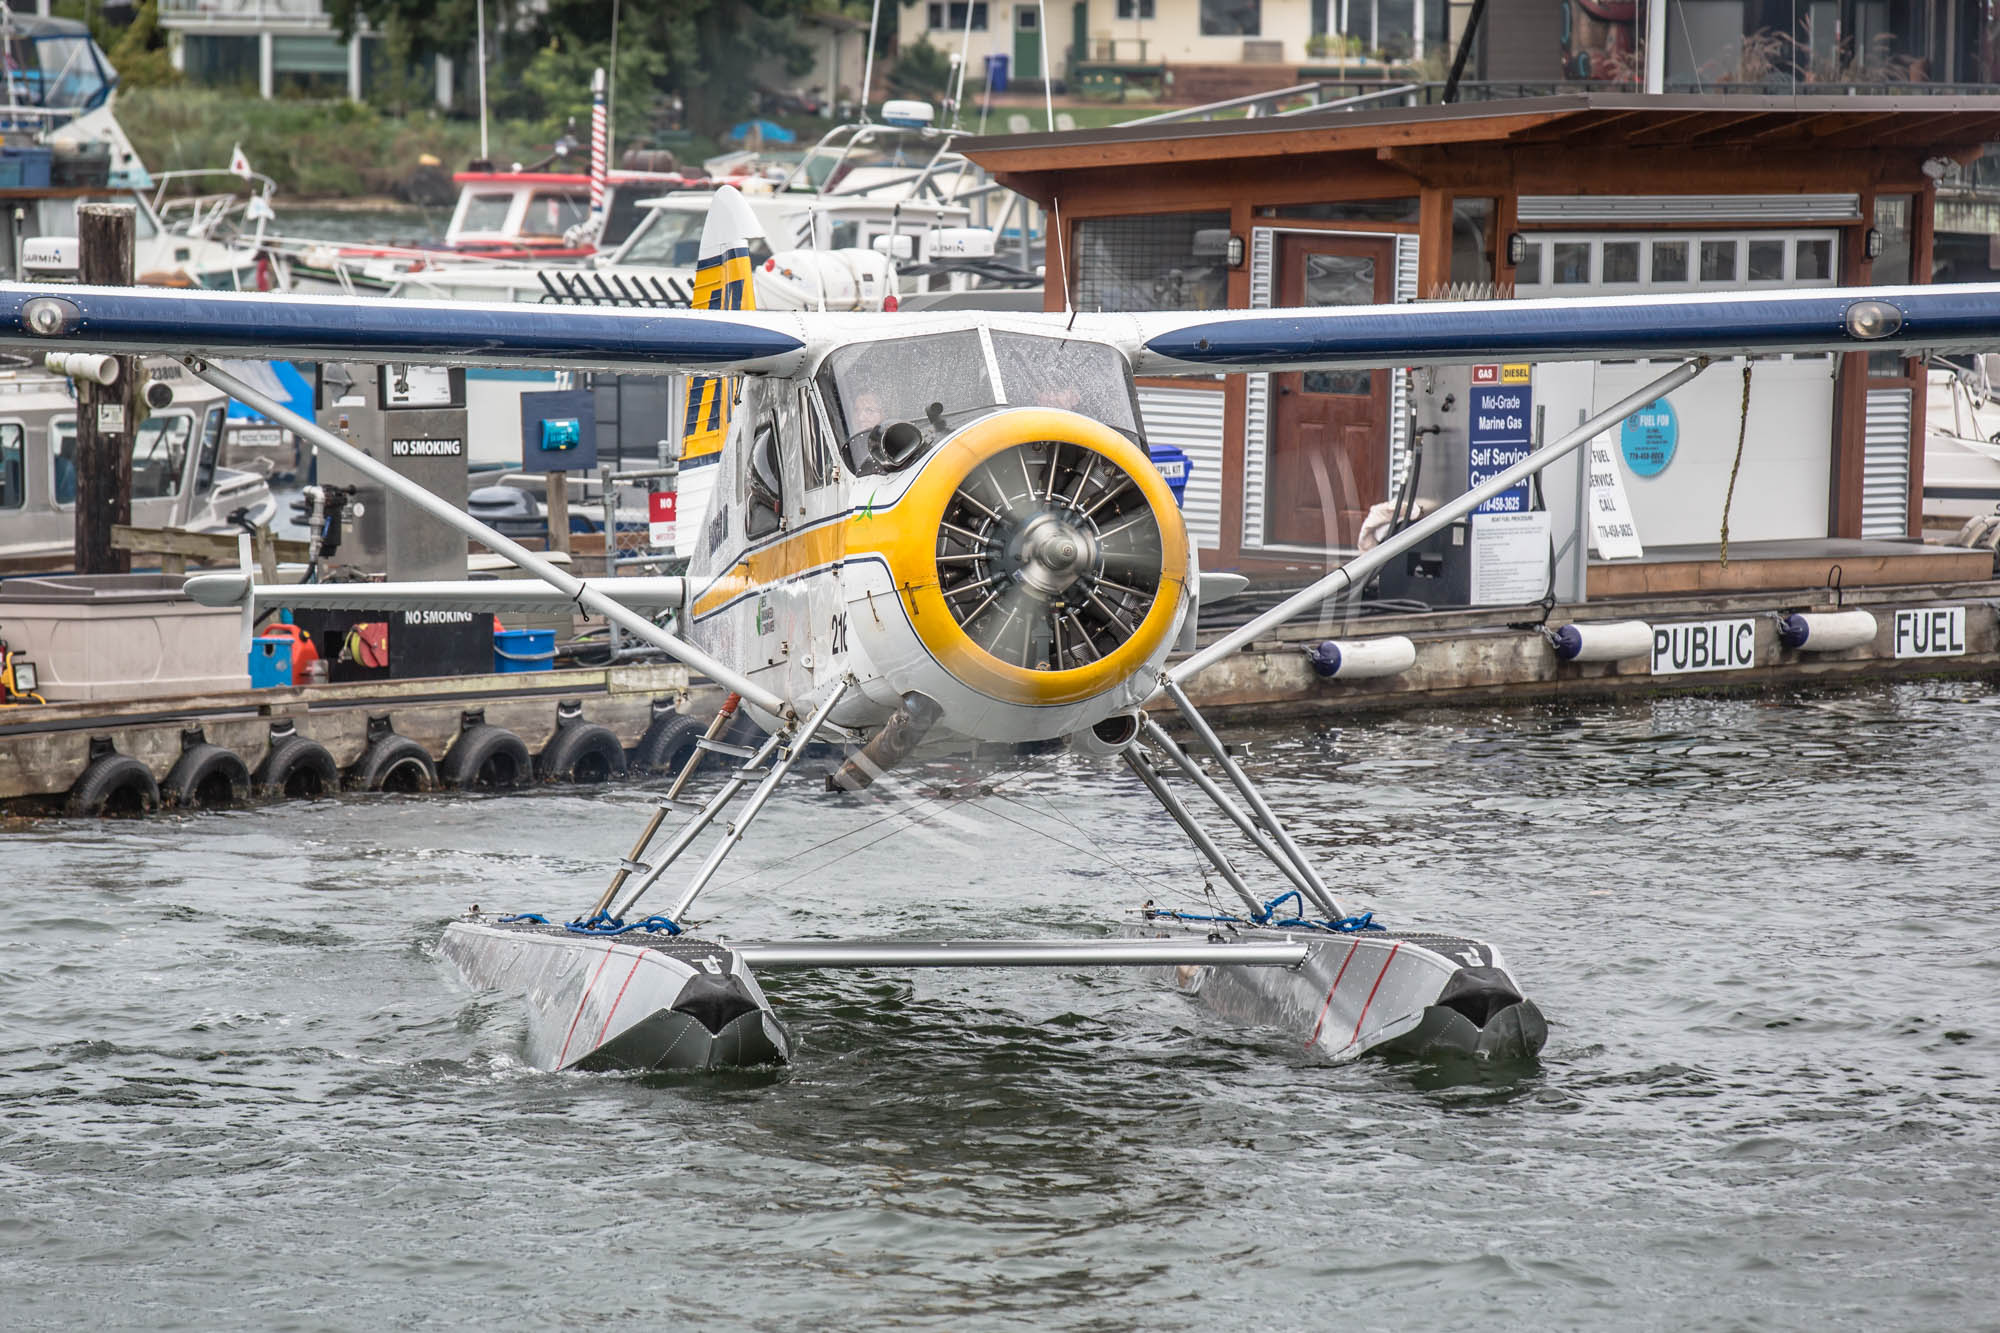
(1040, 567)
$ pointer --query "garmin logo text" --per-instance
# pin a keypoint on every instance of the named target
(427, 448)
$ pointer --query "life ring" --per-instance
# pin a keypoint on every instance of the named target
(298, 768)
(393, 764)
(206, 777)
(667, 744)
(582, 752)
(486, 756)
(114, 784)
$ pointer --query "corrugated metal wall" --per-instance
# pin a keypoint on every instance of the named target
(1885, 464)
(1191, 420)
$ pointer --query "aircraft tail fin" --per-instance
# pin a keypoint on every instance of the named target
(721, 282)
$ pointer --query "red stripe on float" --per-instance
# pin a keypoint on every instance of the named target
(1371, 994)
(581, 1001)
(637, 959)
(1352, 946)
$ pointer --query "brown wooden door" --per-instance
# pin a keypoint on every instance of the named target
(1329, 450)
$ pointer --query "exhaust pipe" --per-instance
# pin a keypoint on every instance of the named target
(889, 746)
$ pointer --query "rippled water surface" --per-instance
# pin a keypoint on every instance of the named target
(237, 1089)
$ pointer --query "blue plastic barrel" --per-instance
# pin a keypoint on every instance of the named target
(996, 73)
(1173, 465)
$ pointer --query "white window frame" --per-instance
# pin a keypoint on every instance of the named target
(1596, 286)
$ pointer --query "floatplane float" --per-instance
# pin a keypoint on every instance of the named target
(948, 526)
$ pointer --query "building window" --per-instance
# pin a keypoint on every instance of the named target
(1135, 9)
(1670, 261)
(1168, 261)
(1621, 262)
(952, 16)
(1471, 241)
(1571, 263)
(1718, 261)
(1232, 18)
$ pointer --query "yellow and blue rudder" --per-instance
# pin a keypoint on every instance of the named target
(722, 281)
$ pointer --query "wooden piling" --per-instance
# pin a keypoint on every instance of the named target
(106, 416)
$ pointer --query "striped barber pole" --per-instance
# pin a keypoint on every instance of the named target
(597, 144)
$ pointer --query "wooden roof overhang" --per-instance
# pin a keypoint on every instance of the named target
(1577, 143)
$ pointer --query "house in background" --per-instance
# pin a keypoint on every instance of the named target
(277, 46)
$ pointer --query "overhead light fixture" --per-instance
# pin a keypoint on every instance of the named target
(1235, 252)
(1517, 248)
(1871, 244)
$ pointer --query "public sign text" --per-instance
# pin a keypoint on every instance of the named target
(1706, 645)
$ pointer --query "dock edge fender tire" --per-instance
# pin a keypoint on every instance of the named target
(582, 752)
(114, 784)
(206, 777)
(298, 769)
(487, 756)
(667, 744)
(393, 764)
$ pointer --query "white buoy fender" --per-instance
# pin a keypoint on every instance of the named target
(1826, 631)
(1362, 659)
(1612, 641)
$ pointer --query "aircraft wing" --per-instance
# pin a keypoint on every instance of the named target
(1942, 318)
(38, 318)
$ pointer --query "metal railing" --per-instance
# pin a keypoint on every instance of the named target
(264, 13)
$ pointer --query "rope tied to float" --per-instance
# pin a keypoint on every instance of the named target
(603, 923)
(535, 917)
(1268, 917)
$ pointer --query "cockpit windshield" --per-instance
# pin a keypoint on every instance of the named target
(1070, 373)
(892, 399)
(55, 64)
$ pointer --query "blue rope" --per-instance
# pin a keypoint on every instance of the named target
(1347, 925)
(603, 923)
(535, 917)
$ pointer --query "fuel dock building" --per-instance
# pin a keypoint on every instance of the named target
(1570, 195)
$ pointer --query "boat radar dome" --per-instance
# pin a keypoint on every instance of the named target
(908, 113)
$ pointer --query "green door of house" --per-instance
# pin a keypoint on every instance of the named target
(1027, 43)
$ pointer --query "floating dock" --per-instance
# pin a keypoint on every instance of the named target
(1714, 641)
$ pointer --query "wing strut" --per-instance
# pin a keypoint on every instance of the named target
(585, 596)
(1356, 571)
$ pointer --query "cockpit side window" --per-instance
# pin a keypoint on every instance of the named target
(764, 513)
(816, 450)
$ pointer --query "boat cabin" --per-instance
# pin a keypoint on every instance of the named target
(1573, 195)
(528, 215)
(177, 477)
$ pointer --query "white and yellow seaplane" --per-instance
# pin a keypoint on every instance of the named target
(949, 525)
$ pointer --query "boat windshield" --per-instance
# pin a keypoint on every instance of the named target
(159, 457)
(831, 162)
(486, 212)
(553, 212)
(61, 70)
(670, 238)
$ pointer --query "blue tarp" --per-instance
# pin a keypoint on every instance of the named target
(772, 131)
(281, 379)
